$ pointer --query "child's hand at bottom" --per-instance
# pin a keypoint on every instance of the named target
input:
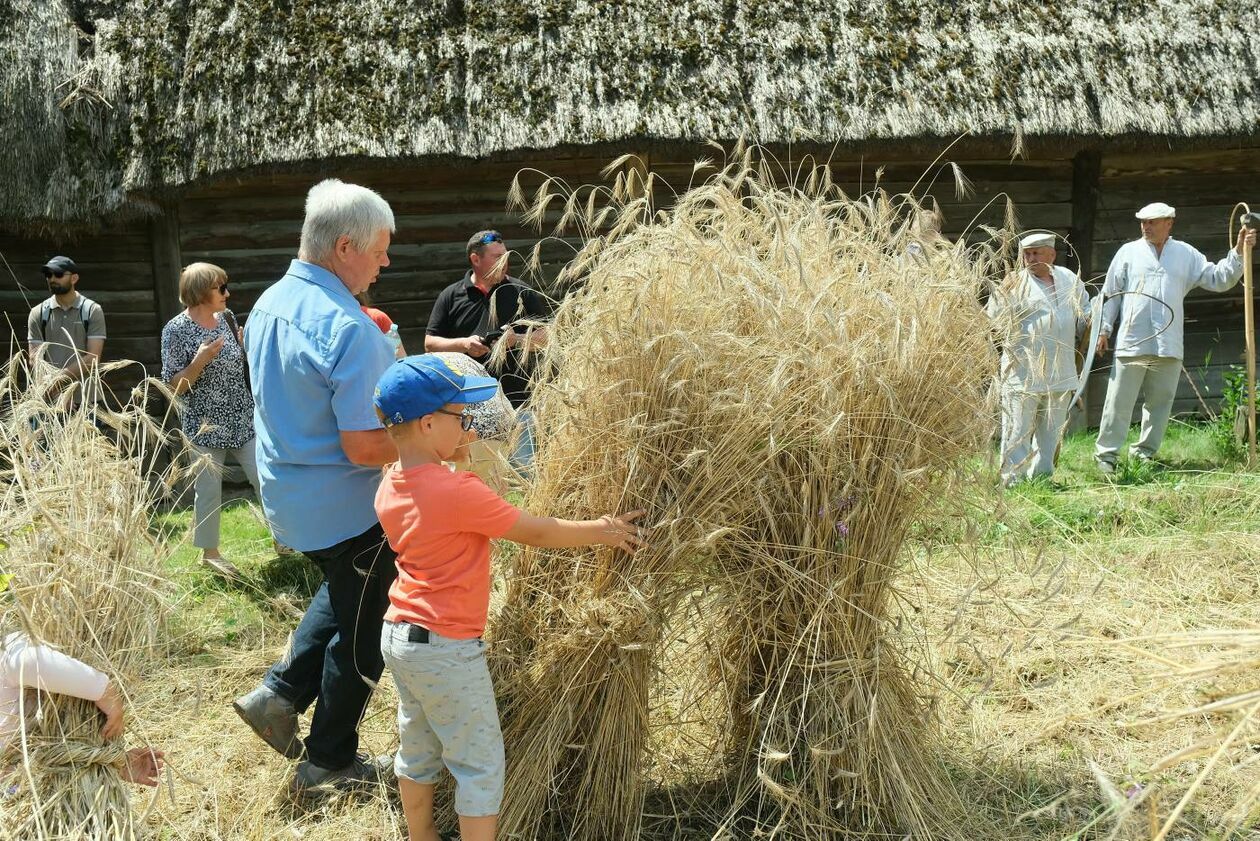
(111, 704)
(142, 766)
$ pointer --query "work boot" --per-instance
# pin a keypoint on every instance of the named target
(1107, 468)
(364, 773)
(273, 718)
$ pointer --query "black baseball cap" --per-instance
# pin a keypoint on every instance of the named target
(61, 264)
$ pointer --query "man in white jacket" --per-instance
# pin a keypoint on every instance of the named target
(1146, 286)
(1039, 314)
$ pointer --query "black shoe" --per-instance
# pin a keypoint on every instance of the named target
(364, 772)
(273, 718)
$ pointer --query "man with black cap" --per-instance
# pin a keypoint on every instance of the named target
(1146, 286)
(485, 307)
(67, 329)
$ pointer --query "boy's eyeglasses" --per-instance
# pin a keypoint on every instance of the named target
(465, 419)
(48, 273)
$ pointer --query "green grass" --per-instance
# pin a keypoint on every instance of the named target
(1186, 490)
(218, 613)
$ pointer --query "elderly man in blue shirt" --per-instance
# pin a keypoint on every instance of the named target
(314, 359)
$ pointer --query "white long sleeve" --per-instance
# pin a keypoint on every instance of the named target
(1152, 313)
(24, 665)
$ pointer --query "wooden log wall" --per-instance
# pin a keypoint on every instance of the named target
(251, 228)
(115, 270)
(250, 225)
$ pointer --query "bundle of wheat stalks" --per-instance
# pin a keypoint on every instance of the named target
(782, 377)
(84, 576)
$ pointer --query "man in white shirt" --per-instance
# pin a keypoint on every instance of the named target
(1039, 314)
(1146, 286)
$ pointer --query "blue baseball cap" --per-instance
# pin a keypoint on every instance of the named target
(420, 385)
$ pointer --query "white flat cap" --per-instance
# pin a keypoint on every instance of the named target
(1157, 210)
(1042, 240)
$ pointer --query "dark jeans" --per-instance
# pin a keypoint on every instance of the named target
(335, 658)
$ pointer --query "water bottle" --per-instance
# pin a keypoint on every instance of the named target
(395, 340)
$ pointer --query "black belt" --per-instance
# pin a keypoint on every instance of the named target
(416, 633)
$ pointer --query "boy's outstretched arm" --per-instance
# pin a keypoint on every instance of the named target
(617, 531)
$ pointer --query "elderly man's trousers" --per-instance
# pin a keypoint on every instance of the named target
(334, 658)
(1032, 426)
(1156, 377)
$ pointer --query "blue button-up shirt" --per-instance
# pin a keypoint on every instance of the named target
(314, 360)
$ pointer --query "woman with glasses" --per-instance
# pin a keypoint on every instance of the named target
(204, 362)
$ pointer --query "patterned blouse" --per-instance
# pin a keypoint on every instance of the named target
(218, 411)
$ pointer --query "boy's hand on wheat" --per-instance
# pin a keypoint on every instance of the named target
(620, 532)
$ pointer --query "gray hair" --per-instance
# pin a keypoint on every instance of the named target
(335, 209)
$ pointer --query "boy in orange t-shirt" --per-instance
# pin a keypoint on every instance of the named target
(440, 523)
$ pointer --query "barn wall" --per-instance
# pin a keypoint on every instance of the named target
(115, 270)
(250, 226)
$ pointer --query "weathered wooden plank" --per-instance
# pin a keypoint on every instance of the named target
(123, 249)
(94, 276)
(385, 177)
(167, 261)
(132, 299)
(1146, 166)
(472, 198)
(451, 228)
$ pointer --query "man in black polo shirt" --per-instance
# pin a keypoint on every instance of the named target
(471, 314)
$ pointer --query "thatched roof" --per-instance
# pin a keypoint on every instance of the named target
(169, 92)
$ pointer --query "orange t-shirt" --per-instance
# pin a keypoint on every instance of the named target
(440, 524)
(382, 320)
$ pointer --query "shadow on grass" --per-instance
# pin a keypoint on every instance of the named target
(1002, 801)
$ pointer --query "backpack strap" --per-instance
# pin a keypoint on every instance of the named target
(45, 314)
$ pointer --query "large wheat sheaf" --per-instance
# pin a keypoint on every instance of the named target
(784, 377)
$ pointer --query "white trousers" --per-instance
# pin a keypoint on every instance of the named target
(1032, 426)
(208, 490)
(1156, 377)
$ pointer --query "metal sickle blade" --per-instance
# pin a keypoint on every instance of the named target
(1095, 328)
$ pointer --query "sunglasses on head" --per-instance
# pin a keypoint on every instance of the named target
(465, 418)
(49, 273)
(491, 237)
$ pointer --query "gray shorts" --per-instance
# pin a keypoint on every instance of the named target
(447, 716)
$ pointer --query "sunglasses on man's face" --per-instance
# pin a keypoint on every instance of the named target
(49, 274)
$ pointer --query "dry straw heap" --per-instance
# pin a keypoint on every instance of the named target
(86, 578)
(784, 378)
(1225, 663)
